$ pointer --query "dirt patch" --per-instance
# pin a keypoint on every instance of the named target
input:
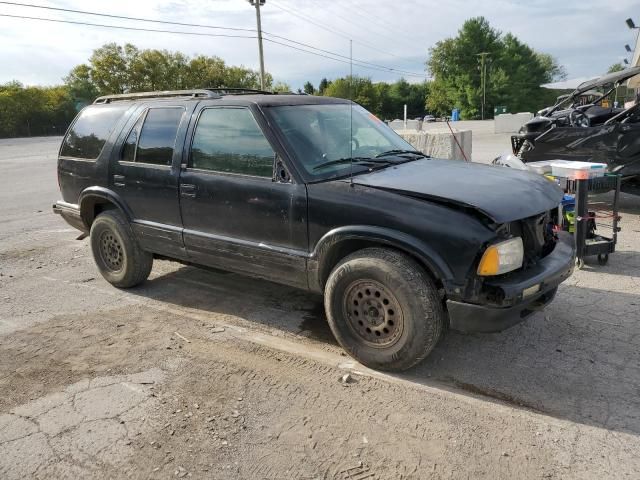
(231, 409)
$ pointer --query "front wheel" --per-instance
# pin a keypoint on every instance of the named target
(383, 309)
(116, 252)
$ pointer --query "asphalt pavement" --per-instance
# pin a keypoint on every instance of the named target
(212, 375)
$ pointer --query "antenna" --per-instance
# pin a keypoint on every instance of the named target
(351, 111)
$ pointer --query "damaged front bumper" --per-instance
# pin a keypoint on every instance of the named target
(524, 293)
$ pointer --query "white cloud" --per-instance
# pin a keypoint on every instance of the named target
(585, 35)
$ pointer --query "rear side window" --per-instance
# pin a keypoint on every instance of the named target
(230, 140)
(90, 131)
(152, 139)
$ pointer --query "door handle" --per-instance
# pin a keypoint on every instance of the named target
(187, 190)
(118, 180)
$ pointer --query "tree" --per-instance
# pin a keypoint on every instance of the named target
(358, 89)
(158, 70)
(26, 111)
(411, 95)
(322, 87)
(616, 67)
(309, 89)
(281, 87)
(119, 69)
(111, 67)
(81, 87)
(515, 72)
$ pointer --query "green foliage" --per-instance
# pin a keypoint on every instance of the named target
(309, 89)
(281, 87)
(385, 100)
(324, 83)
(514, 72)
(27, 111)
(616, 67)
(113, 68)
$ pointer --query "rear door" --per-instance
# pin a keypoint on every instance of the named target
(145, 174)
(236, 214)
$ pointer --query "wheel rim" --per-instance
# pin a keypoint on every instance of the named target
(111, 251)
(373, 313)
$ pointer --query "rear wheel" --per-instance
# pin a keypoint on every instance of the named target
(116, 252)
(383, 309)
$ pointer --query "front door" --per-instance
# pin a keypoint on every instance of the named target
(236, 215)
(145, 176)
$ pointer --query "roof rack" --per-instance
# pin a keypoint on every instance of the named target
(209, 93)
(239, 91)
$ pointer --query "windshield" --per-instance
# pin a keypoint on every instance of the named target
(322, 136)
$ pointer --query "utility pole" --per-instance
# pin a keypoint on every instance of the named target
(483, 73)
(258, 4)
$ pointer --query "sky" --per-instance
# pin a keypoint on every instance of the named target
(586, 36)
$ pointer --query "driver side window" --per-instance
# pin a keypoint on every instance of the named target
(229, 140)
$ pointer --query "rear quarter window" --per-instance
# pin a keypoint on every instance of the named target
(90, 131)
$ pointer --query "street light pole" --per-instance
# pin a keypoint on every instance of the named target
(632, 26)
(258, 4)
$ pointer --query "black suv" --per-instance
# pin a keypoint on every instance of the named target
(316, 193)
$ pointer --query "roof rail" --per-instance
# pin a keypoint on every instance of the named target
(163, 94)
(239, 91)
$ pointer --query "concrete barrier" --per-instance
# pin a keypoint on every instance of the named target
(511, 122)
(440, 143)
(398, 125)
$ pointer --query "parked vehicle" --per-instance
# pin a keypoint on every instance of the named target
(316, 193)
(594, 131)
(429, 118)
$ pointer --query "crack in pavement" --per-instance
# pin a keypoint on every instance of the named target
(70, 424)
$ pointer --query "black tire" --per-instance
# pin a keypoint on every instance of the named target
(116, 252)
(603, 259)
(368, 281)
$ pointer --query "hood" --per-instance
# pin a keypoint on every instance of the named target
(502, 194)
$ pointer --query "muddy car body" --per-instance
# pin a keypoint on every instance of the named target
(573, 130)
(318, 194)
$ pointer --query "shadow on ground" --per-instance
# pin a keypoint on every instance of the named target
(579, 361)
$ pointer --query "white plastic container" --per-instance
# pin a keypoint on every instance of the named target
(577, 170)
(543, 167)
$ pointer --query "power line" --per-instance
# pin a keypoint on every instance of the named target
(334, 30)
(374, 18)
(356, 63)
(182, 32)
(352, 21)
(124, 17)
(183, 24)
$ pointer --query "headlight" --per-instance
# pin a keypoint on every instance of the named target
(502, 257)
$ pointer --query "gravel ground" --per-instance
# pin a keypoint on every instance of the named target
(201, 374)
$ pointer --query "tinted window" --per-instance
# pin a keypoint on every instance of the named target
(90, 131)
(330, 132)
(158, 136)
(229, 140)
(129, 147)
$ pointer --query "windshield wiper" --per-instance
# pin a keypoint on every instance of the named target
(356, 160)
(400, 152)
